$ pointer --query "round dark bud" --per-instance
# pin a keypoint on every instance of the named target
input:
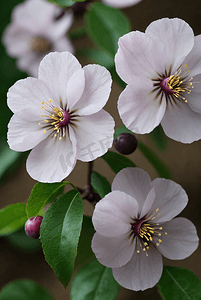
(80, 7)
(125, 143)
(32, 227)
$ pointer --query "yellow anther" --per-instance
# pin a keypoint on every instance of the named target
(60, 138)
(44, 131)
(144, 249)
(157, 244)
(138, 251)
(51, 100)
(38, 123)
(41, 116)
(165, 233)
(186, 65)
(159, 234)
(46, 121)
(43, 107)
(160, 241)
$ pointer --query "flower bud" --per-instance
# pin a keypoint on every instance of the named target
(125, 143)
(32, 227)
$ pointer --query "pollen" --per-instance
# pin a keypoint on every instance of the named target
(56, 120)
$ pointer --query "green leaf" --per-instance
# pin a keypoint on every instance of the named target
(21, 242)
(162, 170)
(106, 25)
(12, 217)
(60, 231)
(84, 251)
(122, 129)
(117, 162)
(23, 290)
(100, 184)
(179, 283)
(94, 282)
(97, 56)
(42, 194)
(159, 138)
(62, 2)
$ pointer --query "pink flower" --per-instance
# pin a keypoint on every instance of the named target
(60, 116)
(135, 224)
(34, 31)
(162, 68)
(120, 3)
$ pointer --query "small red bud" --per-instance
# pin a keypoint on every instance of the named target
(32, 227)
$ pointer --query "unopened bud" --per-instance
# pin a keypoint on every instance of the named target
(32, 227)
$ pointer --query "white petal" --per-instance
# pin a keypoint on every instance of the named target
(113, 214)
(29, 94)
(181, 239)
(24, 134)
(94, 135)
(16, 40)
(141, 272)
(52, 160)
(181, 123)
(30, 63)
(97, 90)
(134, 182)
(59, 28)
(170, 199)
(56, 69)
(34, 15)
(139, 55)
(120, 3)
(176, 35)
(194, 97)
(64, 44)
(193, 59)
(139, 110)
(113, 252)
(75, 88)
(148, 203)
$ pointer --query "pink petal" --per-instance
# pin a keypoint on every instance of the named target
(141, 272)
(120, 3)
(193, 59)
(181, 239)
(97, 90)
(177, 37)
(24, 134)
(181, 123)
(139, 110)
(29, 94)
(94, 135)
(113, 214)
(113, 252)
(170, 198)
(52, 160)
(134, 182)
(139, 55)
(56, 69)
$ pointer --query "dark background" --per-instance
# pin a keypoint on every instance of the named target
(183, 160)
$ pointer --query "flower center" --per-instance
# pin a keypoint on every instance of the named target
(173, 87)
(56, 120)
(147, 231)
(40, 45)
